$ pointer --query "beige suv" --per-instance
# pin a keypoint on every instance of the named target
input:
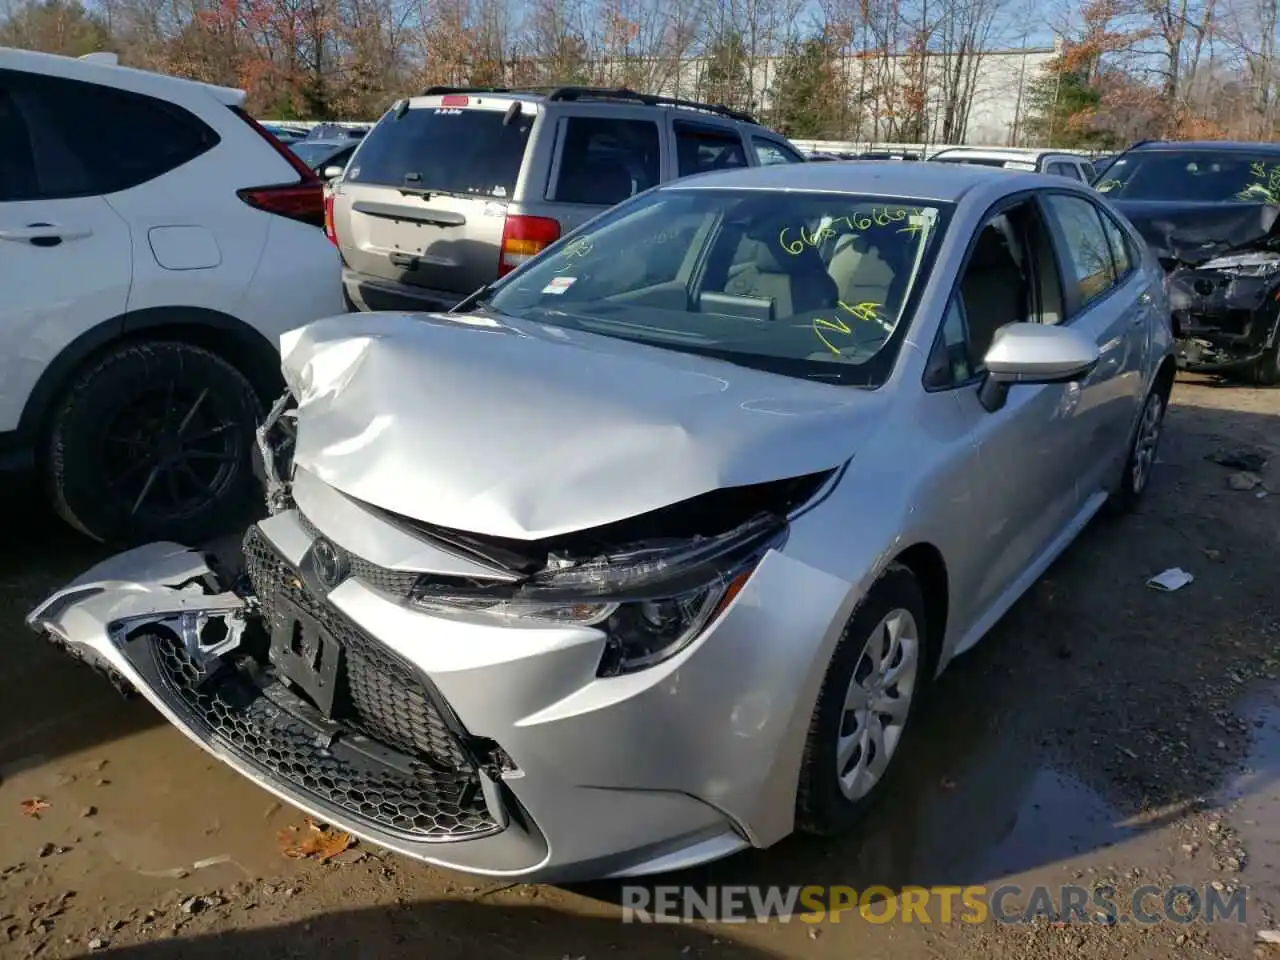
(455, 188)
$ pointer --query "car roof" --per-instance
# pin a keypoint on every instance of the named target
(945, 183)
(1225, 146)
(102, 68)
(1011, 153)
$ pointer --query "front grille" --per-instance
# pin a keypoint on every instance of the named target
(397, 583)
(386, 758)
(270, 729)
(388, 698)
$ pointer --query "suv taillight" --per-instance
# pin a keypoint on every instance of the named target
(525, 237)
(302, 200)
(330, 230)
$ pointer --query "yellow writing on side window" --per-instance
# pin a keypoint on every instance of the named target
(1266, 184)
(858, 223)
(866, 311)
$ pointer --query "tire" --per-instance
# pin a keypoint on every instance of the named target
(823, 806)
(122, 468)
(1143, 449)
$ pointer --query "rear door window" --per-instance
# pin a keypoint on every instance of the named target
(604, 160)
(93, 139)
(701, 147)
(467, 150)
(17, 158)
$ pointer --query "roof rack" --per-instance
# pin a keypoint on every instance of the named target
(444, 91)
(600, 93)
(648, 99)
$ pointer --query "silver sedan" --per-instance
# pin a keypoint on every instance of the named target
(648, 553)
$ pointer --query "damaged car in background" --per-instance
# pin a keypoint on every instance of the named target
(1211, 214)
(647, 553)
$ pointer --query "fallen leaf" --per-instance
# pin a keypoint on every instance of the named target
(317, 840)
(34, 807)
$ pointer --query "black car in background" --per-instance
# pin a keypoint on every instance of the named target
(1211, 212)
(326, 157)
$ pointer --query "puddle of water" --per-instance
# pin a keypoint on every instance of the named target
(1255, 814)
(1057, 819)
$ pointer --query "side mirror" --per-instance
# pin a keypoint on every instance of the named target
(332, 172)
(1034, 353)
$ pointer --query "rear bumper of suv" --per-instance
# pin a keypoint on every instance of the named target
(375, 293)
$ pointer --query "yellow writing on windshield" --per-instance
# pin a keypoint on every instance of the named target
(866, 312)
(857, 223)
(1266, 184)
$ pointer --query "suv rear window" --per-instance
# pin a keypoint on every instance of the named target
(449, 149)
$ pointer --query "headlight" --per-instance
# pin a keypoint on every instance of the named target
(650, 600)
(638, 633)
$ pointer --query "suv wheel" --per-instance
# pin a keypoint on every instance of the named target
(868, 699)
(153, 442)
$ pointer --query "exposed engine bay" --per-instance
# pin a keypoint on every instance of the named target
(1222, 265)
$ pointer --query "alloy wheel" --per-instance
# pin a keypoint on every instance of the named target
(170, 452)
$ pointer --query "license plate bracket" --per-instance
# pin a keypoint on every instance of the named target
(306, 655)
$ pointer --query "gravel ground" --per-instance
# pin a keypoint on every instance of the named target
(1104, 733)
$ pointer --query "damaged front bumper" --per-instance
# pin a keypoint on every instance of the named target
(467, 744)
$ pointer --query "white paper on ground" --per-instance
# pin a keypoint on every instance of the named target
(1175, 578)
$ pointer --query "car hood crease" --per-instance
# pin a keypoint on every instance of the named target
(523, 430)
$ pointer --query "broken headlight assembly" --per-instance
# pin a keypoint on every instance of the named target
(650, 601)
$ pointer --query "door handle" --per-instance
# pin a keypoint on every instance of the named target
(43, 234)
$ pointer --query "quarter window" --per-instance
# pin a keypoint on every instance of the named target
(770, 153)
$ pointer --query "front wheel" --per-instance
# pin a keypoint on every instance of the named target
(1142, 454)
(152, 442)
(876, 675)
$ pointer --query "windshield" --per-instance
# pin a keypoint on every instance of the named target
(313, 154)
(819, 286)
(449, 150)
(1196, 175)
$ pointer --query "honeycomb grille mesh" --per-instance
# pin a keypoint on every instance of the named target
(389, 700)
(397, 583)
(412, 799)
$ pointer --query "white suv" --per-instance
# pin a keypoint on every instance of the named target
(154, 243)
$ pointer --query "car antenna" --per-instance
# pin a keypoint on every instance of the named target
(401, 108)
(513, 111)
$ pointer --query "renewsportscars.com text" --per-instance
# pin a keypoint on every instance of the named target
(1008, 903)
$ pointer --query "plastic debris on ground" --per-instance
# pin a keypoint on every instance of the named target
(1175, 578)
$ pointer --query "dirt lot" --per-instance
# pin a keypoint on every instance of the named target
(1105, 732)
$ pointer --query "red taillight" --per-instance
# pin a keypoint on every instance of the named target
(330, 230)
(297, 201)
(524, 238)
(302, 200)
(453, 100)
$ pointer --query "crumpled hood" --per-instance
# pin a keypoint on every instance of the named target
(515, 429)
(1191, 232)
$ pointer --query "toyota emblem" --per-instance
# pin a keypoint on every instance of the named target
(331, 563)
